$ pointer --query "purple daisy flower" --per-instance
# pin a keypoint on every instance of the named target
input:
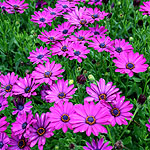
(89, 118)
(119, 111)
(96, 2)
(98, 30)
(96, 14)
(130, 62)
(66, 28)
(7, 84)
(40, 55)
(78, 51)
(4, 140)
(61, 48)
(60, 116)
(102, 43)
(145, 8)
(41, 18)
(148, 125)
(47, 73)
(40, 130)
(120, 47)
(18, 143)
(43, 92)
(40, 4)
(22, 124)
(98, 145)
(51, 36)
(3, 7)
(70, 1)
(3, 103)
(21, 107)
(101, 92)
(3, 124)
(25, 86)
(60, 92)
(13, 6)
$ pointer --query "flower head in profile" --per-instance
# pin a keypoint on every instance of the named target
(3, 103)
(90, 118)
(40, 130)
(43, 92)
(97, 145)
(39, 56)
(60, 92)
(3, 124)
(7, 84)
(145, 8)
(4, 141)
(47, 73)
(130, 63)
(40, 4)
(60, 116)
(148, 125)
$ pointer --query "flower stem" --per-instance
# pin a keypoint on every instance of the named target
(109, 133)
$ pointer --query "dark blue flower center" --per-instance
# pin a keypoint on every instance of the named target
(96, 33)
(24, 125)
(8, 88)
(21, 143)
(102, 97)
(47, 74)
(42, 19)
(95, 16)
(81, 38)
(3, 7)
(64, 48)
(20, 106)
(77, 53)
(115, 112)
(1, 144)
(102, 45)
(119, 49)
(65, 31)
(27, 89)
(16, 6)
(40, 56)
(65, 6)
(65, 118)
(62, 95)
(53, 13)
(40, 131)
(97, 0)
(51, 38)
(90, 120)
(130, 66)
(83, 22)
(0, 105)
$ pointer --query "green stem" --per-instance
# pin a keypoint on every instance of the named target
(109, 134)
(127, 85)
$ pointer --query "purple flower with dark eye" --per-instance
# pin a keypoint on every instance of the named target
(145, 8)
(7, 83)
(4, 141)
(3, 103)
(40, 4)
(3, 124)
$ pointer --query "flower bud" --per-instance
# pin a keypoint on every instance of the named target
(148, 98)
(119, 3)
(71, 82)
(56, 147)
(119, 145)
(136, 3)
(79, 69)
(91, 78)
(142, 98)
(81, 79)
(71, 146)
(131, 39)
(105, 1)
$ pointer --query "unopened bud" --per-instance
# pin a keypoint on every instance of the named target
(71, 82)
(91, 78)
(56, 147)
(142, 98)
(131, 39)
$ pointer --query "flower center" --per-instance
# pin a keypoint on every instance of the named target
(51, 38)
(102, 97)
(62, 95)
(77, 53)
(0, 105)
(81, 38)
(42, 19)
(102, 45)
(1, 144)
(130, 66)
(40, 56)
(65, 31)
(20, 107)
(65, 118)
(8, 88)
(83, 22)
(15, 6)
(53, 13)
(27, 89)
(96, 33)
(90, 120)
(65, 6)
(64, 48)
(40, 131)
(115, 112)
(24, 125)
(97, 0)
(47, 74)
(95, 16)
(21, 143)
(119, 49)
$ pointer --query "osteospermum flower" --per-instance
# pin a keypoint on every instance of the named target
(18, 143)
(60, 92)
(51, 36)
(102, 43)
(3, 124)
(66, 28)
(47, 73)
(60, 116)
(13, 6)
(119, 111)
(102, 92)
(145, 8)
(40, 130)
(130, 63)
(120, 47)
(78, 51)
(3, 103)
(40, 55)
(98, 145)
(21, 107)
(25, 86)
(89, 118)
(22, 124)
(7, 84)
(98, 30)
(4, 141)
(148, 125)
(41, 18)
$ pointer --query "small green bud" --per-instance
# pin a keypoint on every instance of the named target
(145, 17)
(32, 31)
(79, 69)
(119, 3)
(148, 69)
(56, 147)
(71, 82)
(31, 36)
(131, 39)
(121, 16)
(17, 23)
(91, 78)
(148, 98)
